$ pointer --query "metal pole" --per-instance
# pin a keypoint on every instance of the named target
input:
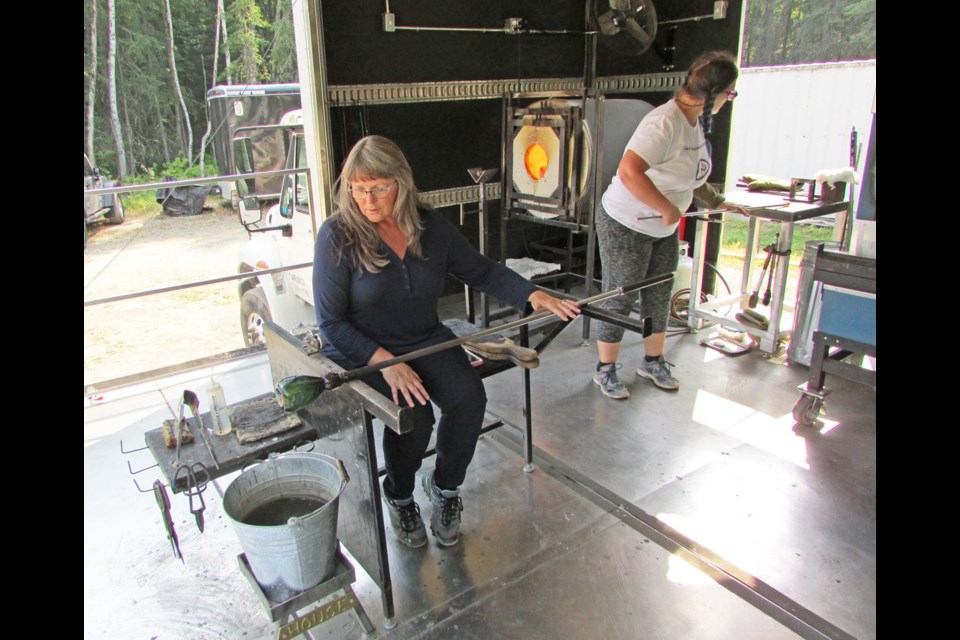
(699, 214)
(481, 177)
(419, 353)
(527, 408)
(190, 285)
(146, 186)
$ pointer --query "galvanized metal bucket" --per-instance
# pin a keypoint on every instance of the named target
(284, 511)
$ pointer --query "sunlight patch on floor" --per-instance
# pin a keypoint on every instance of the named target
(718, 413)
(679, 571)
(775, 435)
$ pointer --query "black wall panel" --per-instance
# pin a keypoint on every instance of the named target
(360, 52)
(443, 139)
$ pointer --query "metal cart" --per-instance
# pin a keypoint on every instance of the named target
(848, 322)
(787, 217)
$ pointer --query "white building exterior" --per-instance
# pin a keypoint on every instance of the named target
(794, 121)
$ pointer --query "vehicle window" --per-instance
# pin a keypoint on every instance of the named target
(242, 154)
(286, 196)
(295, 194)
(303, 189)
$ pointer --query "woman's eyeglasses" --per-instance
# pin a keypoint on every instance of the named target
(732, 95)
(376, 192)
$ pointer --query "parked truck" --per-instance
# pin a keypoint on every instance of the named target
(96, 205)
(246, 137)
(283, 236)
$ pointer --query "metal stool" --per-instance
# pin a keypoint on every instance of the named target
(289, 624)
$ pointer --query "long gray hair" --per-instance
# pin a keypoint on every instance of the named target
(376, 158)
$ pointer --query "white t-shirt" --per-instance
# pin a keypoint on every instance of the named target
(679, 160)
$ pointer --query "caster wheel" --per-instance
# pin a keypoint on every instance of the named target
(807, 410)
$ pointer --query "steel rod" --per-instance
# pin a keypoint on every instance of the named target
(292, 395)
(189, 182)
(189, 285)
(697, 214)
(426, 351)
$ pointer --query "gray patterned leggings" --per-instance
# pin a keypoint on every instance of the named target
(626, 257)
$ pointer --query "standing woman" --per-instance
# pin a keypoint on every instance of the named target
(666, 161)
(379, 270)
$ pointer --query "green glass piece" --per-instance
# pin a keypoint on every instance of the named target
(296, 392)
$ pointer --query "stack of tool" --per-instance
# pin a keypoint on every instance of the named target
(733, 342)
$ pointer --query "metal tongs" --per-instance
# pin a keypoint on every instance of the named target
(191, 400)
(178, 431)
(195, 477)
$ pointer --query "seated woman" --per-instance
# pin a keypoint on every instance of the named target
(379, 268)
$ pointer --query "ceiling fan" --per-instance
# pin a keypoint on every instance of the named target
(627, 27)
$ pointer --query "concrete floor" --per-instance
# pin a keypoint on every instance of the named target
(703, 513)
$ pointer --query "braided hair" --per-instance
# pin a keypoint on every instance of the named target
(707, 78)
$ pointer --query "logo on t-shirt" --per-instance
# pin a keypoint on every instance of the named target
(703, 168)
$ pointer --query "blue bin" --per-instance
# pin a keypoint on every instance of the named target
(849, 314)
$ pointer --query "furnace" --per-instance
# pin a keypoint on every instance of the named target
(547, 158)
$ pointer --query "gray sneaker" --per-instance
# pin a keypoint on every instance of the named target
(609, 383)
(406, 521)
(659, 372)
(445, 519)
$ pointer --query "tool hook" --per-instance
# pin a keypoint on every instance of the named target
(125, 452)
(133, 473)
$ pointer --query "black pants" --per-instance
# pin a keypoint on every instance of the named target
(457, 389)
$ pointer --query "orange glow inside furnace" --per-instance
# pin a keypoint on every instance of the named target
(535, 160)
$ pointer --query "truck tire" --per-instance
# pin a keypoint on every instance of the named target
(254, 310)
(116, 215)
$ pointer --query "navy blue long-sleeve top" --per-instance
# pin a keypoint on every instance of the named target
(397, 308)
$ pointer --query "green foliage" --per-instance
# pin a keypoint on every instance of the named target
(281, 55)
(139, 201)
(735, 236)
(154, 134)
(779, 32)
(244, 22)
(178, 170)
(153, 131)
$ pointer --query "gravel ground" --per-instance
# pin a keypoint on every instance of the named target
(148, 251)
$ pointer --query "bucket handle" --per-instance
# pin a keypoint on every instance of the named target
(340, 467)
(343, 471)
(297, 521)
